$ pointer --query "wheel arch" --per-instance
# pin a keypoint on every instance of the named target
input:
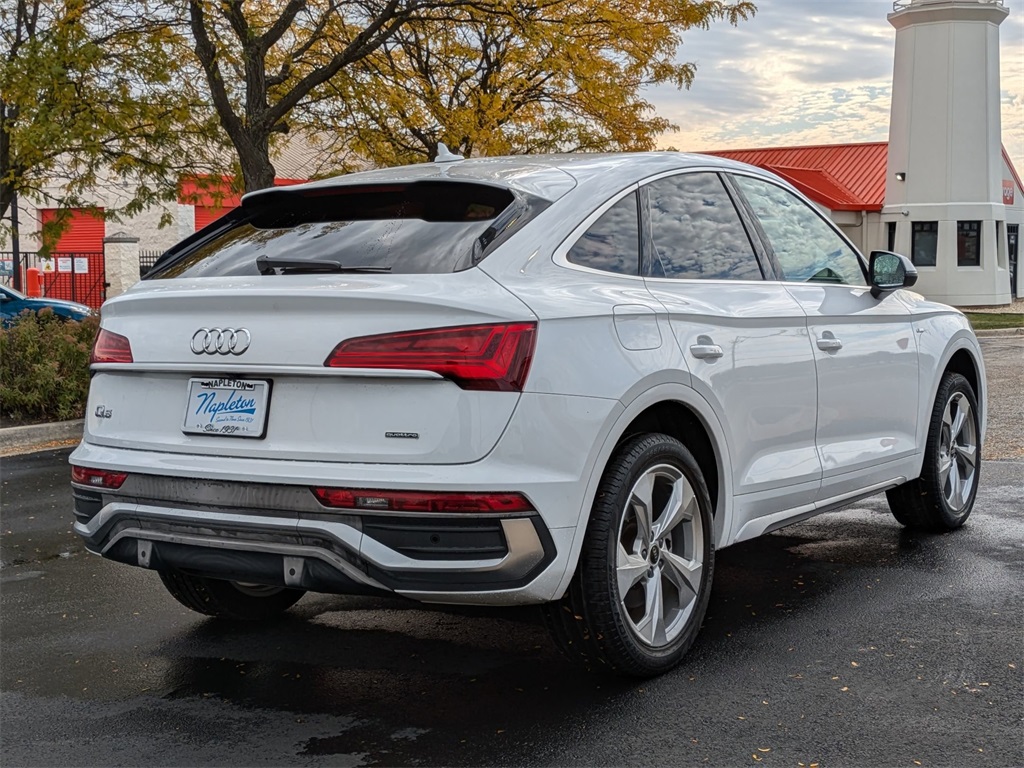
(963, 363)
(963, 355)
(678, 411)
(673, 418)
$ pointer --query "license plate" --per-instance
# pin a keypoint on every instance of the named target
(233, 407)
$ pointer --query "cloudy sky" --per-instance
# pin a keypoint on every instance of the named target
(810, 72)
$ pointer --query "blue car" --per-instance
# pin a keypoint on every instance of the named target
(13, 303)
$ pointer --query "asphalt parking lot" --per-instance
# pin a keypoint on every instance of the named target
(842, 641)
(1004, 371)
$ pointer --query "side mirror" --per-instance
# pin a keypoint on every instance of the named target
(890, 271)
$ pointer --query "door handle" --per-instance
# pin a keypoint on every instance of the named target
(706, 351)
(829, 343)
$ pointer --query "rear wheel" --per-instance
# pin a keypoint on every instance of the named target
(641, 588)
(942, 498)
(229, 599)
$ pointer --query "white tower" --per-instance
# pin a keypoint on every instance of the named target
(944, 180)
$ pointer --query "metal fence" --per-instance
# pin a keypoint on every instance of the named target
(146, 261)
(73, 276)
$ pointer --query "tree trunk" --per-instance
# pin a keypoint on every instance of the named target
(254, 158)
(7, 173)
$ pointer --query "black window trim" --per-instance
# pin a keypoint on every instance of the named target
(779, 273)
(770, 266)
(647, 234)
(182, 248)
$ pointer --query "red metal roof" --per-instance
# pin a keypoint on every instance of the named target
(1013, 171)
(842, 177)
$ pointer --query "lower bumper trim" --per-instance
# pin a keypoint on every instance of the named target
(310, 574)
(324, 555)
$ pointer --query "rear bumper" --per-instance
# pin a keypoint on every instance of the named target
(343, 553)
(255, 519)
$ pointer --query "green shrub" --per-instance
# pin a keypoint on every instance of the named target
(44, 366)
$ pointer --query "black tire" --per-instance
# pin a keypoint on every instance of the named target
(227, 600)
(591, 624)
(922, 503)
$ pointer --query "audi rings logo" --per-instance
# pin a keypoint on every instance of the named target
(220, 341)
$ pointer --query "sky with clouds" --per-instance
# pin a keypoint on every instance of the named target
(810, 72)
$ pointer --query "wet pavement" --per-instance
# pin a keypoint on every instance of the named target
(1004, 372)
(842, 641)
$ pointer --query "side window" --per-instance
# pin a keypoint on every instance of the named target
(612, 244)
(807, 249)
(696, 232)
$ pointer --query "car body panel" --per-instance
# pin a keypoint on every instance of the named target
(764, 382)
(347, 414)
(867, 389)
(942, 332)
(13, 304)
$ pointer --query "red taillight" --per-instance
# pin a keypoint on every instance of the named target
(111, 348)
(489, 357)
(420, 501)
(98, 478)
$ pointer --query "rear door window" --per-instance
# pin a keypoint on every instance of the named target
(419, 227)
(696, 233)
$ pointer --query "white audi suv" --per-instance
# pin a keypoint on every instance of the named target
(563, 380)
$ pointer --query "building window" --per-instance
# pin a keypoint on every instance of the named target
(968, 243)
(924, 242)
(891, 242)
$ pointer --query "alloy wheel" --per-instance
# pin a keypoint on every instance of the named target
(958, 452)
(659, 556)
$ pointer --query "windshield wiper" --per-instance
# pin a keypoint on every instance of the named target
(268, 265)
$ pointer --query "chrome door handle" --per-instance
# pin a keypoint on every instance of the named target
(829, 344)
(706, 351)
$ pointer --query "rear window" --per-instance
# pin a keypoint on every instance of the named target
(420, 227)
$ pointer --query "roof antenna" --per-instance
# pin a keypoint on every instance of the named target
(445, 155)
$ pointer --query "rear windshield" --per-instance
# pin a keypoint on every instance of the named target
(420, 227)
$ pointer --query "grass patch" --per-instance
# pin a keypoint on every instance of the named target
(983, 321)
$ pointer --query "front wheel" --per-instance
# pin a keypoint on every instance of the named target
(229, 599)
(942, 498)
(641, 588)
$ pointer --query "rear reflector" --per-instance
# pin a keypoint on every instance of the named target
(110, 348)
(483, 357)
(98, 478)
(420, 501)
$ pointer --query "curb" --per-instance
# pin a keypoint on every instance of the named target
(999, 332)
(15, 438)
